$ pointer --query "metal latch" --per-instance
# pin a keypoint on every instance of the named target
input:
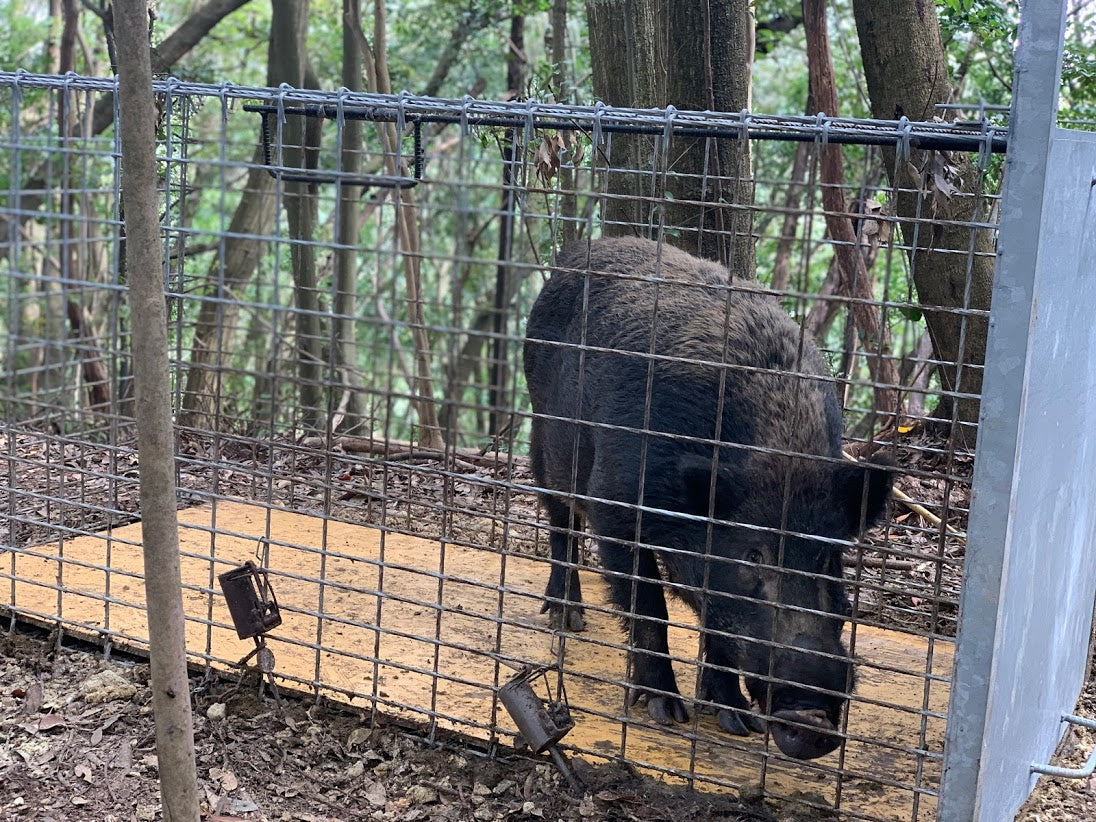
(541, 724)
(254, 610)
(332, 112)
(250, 599)
(1085, 770)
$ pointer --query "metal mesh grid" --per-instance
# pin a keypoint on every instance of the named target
(294, 395)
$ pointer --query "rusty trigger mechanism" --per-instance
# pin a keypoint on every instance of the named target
(254, 610)
(541, 724)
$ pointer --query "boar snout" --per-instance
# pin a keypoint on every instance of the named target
(804, 734)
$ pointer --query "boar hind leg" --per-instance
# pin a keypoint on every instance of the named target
(635, 588)
(724, 689)
(563, 595)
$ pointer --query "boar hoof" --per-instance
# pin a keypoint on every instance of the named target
(804, 734)
(665, 710)
(564, 617)
(739, 723)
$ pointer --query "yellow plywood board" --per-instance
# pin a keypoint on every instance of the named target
(418, 626)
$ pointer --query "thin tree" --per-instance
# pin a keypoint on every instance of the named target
(170, 51)
(407, 233)
(628, 60)
(155, 438)
(351, 409)
(288, 61)
(854, 273)
(510, 148)
(568, 203)
(230, 271)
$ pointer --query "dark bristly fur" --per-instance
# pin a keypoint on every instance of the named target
(632, 346)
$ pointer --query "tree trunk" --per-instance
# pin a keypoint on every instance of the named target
(407, 231)
(711, 51)
(906, 72)
(155, 438)
(628, 47)
(349, 221)
(468, 23)
(172, 49)
(693, 55)
(568, 202)
(499, 370)
(216, 331)
(287, 57)
(781, 274)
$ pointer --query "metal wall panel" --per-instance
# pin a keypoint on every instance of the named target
(1045, 608)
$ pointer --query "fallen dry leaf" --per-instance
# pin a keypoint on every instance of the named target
(44, 722)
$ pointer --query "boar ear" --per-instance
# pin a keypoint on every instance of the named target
(695, 474)
(862, 489)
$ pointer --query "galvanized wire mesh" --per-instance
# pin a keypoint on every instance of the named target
(347, 326)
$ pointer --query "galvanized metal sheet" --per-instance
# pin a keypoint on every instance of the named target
(1046, 598)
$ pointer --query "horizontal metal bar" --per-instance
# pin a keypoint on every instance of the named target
(937, 136)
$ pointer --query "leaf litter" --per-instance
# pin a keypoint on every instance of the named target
(74, 761)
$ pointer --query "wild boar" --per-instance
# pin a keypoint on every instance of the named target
(684, 419)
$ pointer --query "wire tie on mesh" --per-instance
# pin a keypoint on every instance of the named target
(340, 107)
(282, 89)
(599, 109)
(401, 117)
(465, 103)
(905, 128)
(117, 106)
(823, 122)
(222, 93)
(744, 134)
(985, 147)
(263, 545)
(171, 85)
(667, 134)
(530, 120)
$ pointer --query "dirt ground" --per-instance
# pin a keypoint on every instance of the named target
(77, 745)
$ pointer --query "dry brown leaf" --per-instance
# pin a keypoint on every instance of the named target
(545, 159)
(32, 698)
(44, 722)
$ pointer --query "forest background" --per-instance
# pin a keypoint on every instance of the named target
(453, 326)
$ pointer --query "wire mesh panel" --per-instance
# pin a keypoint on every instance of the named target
(455, 466)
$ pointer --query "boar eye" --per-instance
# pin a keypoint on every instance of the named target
(755, 556)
